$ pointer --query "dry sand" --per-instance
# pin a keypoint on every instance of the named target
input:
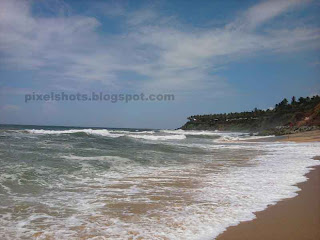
(295, 218)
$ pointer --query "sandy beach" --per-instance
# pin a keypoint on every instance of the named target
(311, 136)
(295, 218)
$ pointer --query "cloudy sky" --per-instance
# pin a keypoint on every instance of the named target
(215, 56)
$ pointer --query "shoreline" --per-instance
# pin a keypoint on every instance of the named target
(294, 218)
(310, 136)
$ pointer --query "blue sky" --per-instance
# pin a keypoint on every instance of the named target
(215, 56)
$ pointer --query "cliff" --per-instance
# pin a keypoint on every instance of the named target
(284, 118)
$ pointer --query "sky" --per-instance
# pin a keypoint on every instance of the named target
(214, 56)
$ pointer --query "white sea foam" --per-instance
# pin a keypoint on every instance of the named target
(158, 137)
(269, 181)
(242, 138)
(230, 197)
(147, 135)
(223, 136)
(192, 132)
(101, 132)
(193, 200)
(131, 132)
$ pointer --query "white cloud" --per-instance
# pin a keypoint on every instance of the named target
(34, 43)
(266, 10)
(171, 56)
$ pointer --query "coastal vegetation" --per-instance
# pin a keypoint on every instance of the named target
(301, 114)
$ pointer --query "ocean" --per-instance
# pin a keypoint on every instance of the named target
(81, 183)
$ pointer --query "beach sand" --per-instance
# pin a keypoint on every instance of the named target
(295, 218)
(311, 136)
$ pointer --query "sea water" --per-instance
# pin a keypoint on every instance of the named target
(77, 183)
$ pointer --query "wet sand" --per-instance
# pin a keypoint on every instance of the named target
(295, 218)
(311, 136)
